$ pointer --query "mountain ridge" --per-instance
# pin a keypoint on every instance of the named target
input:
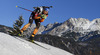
(77, 25)
(81, 25)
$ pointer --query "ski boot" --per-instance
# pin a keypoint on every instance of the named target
(32, 38)
(20, 33)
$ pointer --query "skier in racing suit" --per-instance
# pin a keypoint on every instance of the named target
(38, 15)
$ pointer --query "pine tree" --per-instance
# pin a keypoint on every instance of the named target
(16, 26)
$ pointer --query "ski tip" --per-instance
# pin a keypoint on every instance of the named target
(16, 6)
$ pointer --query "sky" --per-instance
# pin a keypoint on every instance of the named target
(62, 10)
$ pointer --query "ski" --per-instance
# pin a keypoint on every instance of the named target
(41, 46)
(31, 42)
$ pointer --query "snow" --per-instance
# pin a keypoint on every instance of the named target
(16, 46)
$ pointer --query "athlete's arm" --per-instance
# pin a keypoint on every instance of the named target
(43, 17)
(42, 20)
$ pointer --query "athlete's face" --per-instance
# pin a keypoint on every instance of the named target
(45, 12)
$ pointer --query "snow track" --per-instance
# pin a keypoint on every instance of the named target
(16, 46)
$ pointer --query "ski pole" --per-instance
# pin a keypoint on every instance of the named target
(24, 8)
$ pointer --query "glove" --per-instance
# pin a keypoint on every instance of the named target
(42, 20)
(43, 16)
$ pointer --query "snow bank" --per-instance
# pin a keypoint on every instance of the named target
(16, 46)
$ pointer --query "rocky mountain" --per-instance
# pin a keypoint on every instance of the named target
(87, 47)
(73, 24)
(77, 25)
(4, 29)
(80, 25)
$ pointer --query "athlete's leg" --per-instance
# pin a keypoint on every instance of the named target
(27, 25)
(37, 22)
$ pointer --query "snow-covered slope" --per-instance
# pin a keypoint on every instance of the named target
(15, 46)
